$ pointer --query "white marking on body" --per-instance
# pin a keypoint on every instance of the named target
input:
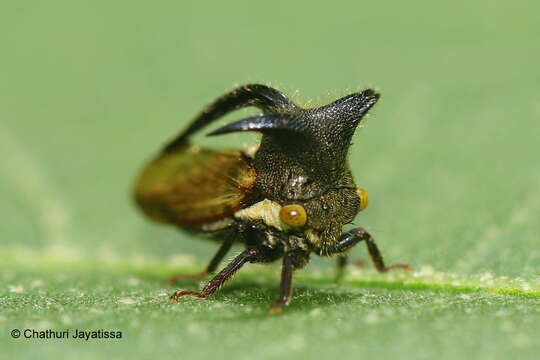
(251, 150)
(267, 211)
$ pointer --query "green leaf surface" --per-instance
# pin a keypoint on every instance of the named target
(89, 91)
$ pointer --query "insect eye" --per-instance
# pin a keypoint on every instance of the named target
(293, 215)
(362, 194)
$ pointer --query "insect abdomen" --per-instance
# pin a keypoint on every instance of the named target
(190, 186)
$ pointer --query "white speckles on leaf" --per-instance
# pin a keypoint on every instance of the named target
(127, 301)
(16, 289)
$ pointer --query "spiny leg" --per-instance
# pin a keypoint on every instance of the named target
(217, 281)
(354, 236)
(212, 266)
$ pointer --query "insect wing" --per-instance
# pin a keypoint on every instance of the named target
(191, 186)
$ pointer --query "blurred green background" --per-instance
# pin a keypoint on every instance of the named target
(90, 90)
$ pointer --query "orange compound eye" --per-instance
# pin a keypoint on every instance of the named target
(362, 194)
(293, 215)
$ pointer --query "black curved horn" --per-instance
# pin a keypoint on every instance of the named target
(261, 96)
(264, 123)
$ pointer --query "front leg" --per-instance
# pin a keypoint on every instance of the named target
(354, 236)
(291, 260)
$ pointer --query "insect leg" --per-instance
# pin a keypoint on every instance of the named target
(210, 269)
(260, 96)
(341, 263)
(285, 288)
(354, 236)
(248, 255)
(292, 260)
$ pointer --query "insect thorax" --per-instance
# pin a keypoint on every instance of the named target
(327, 213)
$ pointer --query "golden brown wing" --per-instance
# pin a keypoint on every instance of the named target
(190, 186)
